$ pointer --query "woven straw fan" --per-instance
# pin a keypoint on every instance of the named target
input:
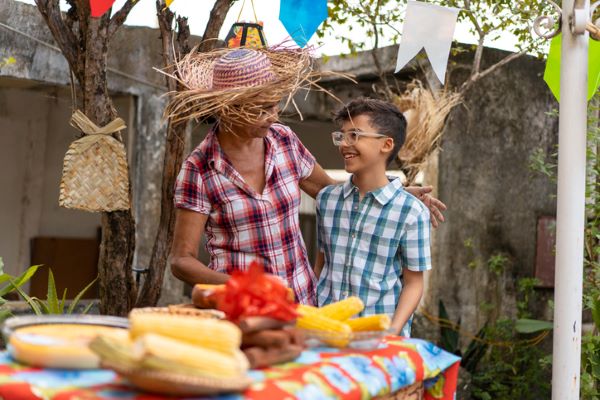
(95, 176)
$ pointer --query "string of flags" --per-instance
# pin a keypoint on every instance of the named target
(426, 27)
(429, 27)
(552, 71)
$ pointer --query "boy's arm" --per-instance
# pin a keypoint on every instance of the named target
(319, 262)
(412, 290)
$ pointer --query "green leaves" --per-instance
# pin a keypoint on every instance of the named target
(52, 305)
(525, 325)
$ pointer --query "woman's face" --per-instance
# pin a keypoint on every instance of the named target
(267, 114)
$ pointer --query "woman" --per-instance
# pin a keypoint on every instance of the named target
(241, 185)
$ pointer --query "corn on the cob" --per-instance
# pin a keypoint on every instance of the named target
(303, 309)
(376, 322)
(167, 354)
(343, 309)
(332, 332)
(115, 351)
(210, 333)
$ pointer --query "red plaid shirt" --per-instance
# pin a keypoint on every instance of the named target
(243, 225)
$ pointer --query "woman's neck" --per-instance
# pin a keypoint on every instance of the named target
(232, 141)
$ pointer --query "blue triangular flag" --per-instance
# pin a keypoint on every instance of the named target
(301, 18)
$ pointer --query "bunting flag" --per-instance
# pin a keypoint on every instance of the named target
(429, 27)
(169, 2)
(301, 18)
(552, 72)
(99, 7)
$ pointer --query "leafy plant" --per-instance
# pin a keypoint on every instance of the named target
(14, 284)
(450, 340)
(514, 370)
(52, 304)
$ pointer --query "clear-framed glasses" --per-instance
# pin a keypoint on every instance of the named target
(351, 137)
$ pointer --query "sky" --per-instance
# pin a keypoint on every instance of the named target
(197, 11)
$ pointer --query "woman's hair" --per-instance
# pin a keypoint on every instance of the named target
(384, 116)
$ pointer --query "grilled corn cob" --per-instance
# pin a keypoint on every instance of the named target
(377, 322)
(210, 333)
(343, 309)
(332, 332)
(167, 354)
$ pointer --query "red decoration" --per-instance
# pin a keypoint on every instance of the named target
(254, 293)
(99, 7)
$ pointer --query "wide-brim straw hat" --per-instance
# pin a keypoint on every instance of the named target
(237, 84)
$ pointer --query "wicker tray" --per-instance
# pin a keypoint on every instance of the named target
(170, 384)
(180, 309)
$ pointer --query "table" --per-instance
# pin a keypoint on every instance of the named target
(320, 373)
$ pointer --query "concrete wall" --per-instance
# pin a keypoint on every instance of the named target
(34, 137)
(494, 198)
(133, 54)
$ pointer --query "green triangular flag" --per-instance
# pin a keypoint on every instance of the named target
(552, 73)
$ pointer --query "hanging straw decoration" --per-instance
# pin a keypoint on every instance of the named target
(426, 116)
(95, 176)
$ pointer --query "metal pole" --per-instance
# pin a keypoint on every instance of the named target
(570, 208)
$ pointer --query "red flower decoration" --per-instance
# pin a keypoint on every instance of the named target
(255, 293)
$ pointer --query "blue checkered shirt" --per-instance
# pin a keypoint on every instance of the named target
(367, 244)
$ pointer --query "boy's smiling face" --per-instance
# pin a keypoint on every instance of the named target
(367, 152)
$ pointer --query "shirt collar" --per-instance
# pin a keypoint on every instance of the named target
(383, 195)
(213, 152)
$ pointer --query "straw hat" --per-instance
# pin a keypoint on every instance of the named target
(237, 84)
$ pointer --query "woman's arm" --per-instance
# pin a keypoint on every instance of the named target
(189, 228)
(412, 290)
(435, 206)
(319, 262)
(316, 181)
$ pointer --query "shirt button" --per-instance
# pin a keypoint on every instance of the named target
(356, 207)
(353, 236)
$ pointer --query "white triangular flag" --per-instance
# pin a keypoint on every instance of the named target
(431, 27)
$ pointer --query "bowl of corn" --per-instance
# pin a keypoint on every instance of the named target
(334, 326)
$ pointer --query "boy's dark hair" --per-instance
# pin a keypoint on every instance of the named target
(384, 116)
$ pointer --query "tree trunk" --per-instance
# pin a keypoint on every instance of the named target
(84, 43)
(174, 153)
(175, 143)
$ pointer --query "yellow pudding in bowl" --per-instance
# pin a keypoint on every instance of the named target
(59, 345)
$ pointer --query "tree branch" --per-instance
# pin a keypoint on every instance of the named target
(65, 38)
(475, 77)
(120, 16)
(215, 22)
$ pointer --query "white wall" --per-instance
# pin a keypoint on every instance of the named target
(34, 136)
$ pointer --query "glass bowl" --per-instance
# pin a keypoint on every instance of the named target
(365, 340)
(59, 341)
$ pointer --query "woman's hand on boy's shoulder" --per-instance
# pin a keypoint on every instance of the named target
(435, 205)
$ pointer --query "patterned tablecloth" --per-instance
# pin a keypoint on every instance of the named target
(317, 374)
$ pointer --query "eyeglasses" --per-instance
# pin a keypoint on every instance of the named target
(351, 137)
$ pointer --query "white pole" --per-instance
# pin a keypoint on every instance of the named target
(570, 216)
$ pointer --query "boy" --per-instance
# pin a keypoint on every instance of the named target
(373, 235)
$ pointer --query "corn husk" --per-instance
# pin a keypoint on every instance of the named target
(426, 115)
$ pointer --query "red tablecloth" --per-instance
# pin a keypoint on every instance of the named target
(317, 374)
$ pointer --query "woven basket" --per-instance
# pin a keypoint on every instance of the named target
(95, 176)
(171, 384)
